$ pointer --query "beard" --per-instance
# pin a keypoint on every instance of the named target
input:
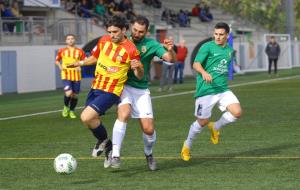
(137, 39)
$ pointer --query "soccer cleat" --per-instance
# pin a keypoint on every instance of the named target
(108, 153)
(99, 148)
(65, 112)
(115, 162)
(151, 162)
(214, 134)
(107, 160)
(185, 153)
(72, 115)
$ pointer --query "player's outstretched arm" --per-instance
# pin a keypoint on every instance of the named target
(88, 61)
(137, 68)
(205, 75)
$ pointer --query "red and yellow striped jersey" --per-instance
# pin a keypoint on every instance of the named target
(68, 56)
(113, 64)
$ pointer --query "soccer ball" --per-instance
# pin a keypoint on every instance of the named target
(65, 163)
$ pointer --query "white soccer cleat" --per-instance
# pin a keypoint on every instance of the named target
(107, 160)
(99, 148)
(116, 162)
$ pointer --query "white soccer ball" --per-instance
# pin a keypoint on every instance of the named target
(65, 163)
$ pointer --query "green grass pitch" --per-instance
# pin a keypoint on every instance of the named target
(259, 151)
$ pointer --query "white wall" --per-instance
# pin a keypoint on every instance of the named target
(0, 76)
(35, 67)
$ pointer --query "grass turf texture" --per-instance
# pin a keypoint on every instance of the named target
(259, 151)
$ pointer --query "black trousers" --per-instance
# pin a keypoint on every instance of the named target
(275, 65)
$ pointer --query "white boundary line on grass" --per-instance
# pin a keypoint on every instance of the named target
(157, 97)
(171, 158)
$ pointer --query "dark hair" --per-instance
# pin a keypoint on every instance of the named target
(70, 35)
(141, 20)
(117, 21)
(223, 25)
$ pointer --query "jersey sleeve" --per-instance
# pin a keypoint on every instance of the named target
(159, 49)
(96, 50)
(135, 54)
(202, 54)
(59, 55)
(83, 55)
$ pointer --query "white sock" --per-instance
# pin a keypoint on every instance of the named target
(149, 141)
(226, 118)
(195, 129)
(119, 131)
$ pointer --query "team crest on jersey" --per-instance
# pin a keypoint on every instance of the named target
(119, 58)
(144, 49)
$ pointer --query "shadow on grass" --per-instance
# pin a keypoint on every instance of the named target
(128, 170)
(212, 159)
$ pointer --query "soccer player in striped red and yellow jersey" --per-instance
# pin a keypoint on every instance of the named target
(70, 76)
(114, 55)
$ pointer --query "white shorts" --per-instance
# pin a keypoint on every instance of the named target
(205, 104)
(140, 101)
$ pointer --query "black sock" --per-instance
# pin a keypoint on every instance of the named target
(100, 132)
(67, 100)
(73, 103)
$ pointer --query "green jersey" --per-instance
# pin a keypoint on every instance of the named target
(148, 49)
(215, 60)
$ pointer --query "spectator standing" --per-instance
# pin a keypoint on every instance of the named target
(273, 51)
(180, 57)
(167, 73)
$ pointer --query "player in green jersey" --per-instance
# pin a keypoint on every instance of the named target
(211, 64)
(135, 98)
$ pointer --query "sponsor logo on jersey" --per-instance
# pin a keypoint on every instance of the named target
(113, 69)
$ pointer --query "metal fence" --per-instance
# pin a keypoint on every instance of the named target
(41, 31)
